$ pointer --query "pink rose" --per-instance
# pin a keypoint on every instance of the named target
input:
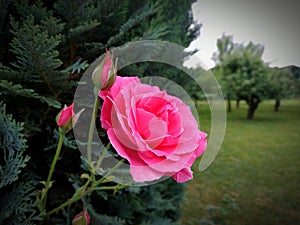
(154, 131)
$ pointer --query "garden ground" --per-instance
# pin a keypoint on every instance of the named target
(255, 178)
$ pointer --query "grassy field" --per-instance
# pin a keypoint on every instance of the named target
(257, 171)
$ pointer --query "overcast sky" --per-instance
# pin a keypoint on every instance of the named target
(273, 23)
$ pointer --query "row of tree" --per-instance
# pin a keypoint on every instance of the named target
(243, 75)
(45, 48)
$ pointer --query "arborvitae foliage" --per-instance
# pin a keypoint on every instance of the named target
(34, 68)
(92, 26)
(36, 57)
(142, 205)
(170, 22)
(17, 201)
(12, 145)
(17, 90)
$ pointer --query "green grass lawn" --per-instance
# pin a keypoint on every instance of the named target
(257, 169)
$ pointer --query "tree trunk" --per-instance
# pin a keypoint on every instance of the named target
(253, 103)
(277, 105)
(250, 113)
(238, 103)
(228, 104)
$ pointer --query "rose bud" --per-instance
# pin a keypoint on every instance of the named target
(66, 118)
(104, 74)
(82, 218)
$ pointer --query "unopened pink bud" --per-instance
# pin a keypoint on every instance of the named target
(66, 118)
(104, 75)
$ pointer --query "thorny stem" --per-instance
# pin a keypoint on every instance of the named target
(57, 153)
(91, 130)
(92, 184)
(100, 160)
(85, 190)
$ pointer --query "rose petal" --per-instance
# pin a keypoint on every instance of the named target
(158, 132)
(142, 119)
(201, 144)
(167, 165)
(113, 94)
(150, 158)
(183, 175)
(121, 83)
(144, 173)
(185, 146)
(122, 129)
(106, 110)
(125, 152)
(144, 90)
(187, 119)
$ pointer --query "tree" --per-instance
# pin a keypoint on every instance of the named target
(281, 85)
(244, 73)
(225, 47)
(296, 78)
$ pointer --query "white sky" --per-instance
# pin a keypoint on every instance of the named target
(273, 23)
